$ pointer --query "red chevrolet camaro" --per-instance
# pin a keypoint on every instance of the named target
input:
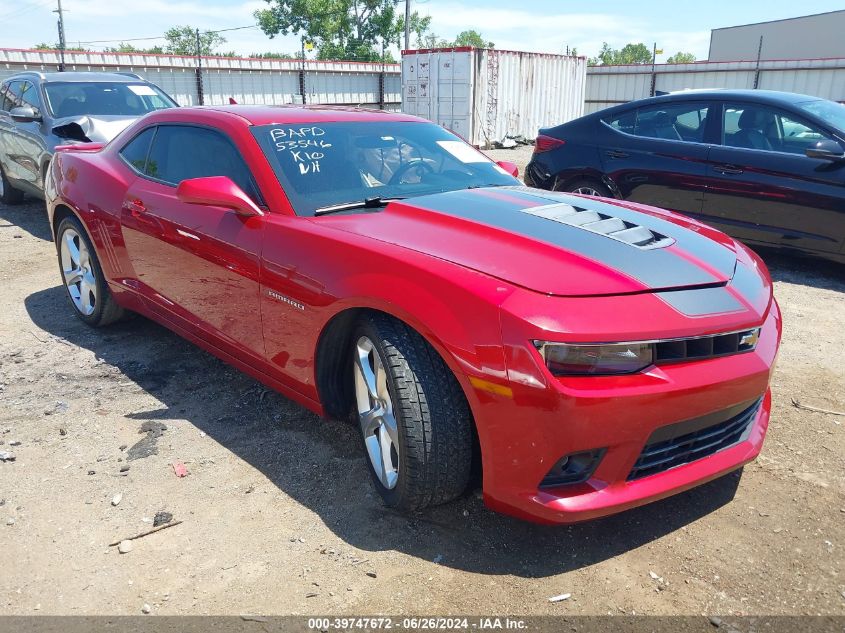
(591, 355)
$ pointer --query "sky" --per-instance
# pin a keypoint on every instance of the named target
(539, 25)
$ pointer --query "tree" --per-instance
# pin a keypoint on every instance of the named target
(472, 38)
(465, 38)
(341, 29)
(182, 40)
(629, 54)
(275, 56)
(44, 46)
(126, 47)
(681, 58)
(432, 40)
(420, 25)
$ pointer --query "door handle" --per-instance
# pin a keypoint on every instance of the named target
(728, 169)
(615, 153)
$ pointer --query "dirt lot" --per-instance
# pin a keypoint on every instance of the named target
(279, 516)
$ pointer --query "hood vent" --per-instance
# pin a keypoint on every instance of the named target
(603, 224)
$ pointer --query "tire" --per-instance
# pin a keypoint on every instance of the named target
(8, 194)
(587, 187)
(87, 291)
(419, 411)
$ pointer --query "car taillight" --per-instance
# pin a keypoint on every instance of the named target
(546, 143)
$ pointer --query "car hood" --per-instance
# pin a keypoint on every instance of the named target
(91, 128)
(555, 243)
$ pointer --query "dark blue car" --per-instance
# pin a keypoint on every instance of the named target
(765, 167)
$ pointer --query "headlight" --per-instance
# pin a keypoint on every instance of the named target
(563, 359)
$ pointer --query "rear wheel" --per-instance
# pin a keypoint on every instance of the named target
(83, 277)
(8, 194)
(414, 418)
(587, 188)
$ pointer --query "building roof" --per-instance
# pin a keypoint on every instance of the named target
(797, 17)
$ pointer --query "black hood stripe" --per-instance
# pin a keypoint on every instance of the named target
(654, 269)
(702, 301)
(700, 247)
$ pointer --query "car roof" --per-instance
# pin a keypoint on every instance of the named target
(771, 97)
(268, 115)
(80, 77)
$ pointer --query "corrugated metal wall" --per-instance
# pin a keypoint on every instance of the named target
(611, 85)
(487, 95)
(246, 80)
(438, 85)
(533, 90)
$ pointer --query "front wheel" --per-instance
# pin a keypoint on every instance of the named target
(83, 277)
(414, 418)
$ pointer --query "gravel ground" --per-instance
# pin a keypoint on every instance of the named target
(278, 515)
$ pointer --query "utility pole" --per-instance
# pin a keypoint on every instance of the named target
(200, 95)
(653, 75)
(757, 67)
(302, 69)
(61, 36)
(407, 25)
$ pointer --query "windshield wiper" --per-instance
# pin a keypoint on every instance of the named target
(366, 203)
(492, 184)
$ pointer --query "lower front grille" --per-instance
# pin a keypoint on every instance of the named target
(687, 441)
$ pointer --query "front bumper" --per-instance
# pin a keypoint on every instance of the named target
(524, 434)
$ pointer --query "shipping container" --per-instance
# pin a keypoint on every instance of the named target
(488, 95)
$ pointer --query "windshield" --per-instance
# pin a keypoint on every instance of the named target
(830, 112)
(79, 98)
(326, 164)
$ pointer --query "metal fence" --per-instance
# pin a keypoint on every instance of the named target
(270, 81)
(611, 85)
(214, 80)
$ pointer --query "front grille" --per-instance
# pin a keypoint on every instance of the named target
(702, 347)
(687, 441)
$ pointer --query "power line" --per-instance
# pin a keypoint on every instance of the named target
(31, 6)
(162, 37)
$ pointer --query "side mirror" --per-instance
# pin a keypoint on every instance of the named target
(826, 150)
(509, 167)
(217, 191)
(24, 114)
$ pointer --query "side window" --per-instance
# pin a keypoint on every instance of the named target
(30, 96)
(797, 135)
(685, 121)
(752, 126)
(135, 151)
(12, 97)
(180, 152)
(624, 122)
(5, 101)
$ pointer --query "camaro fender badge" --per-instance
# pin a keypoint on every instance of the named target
(287, 300)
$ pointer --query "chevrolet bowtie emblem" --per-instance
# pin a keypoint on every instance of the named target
(749, 339)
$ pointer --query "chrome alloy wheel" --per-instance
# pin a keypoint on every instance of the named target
(78, 272)
(587, 191)
(375, 413)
